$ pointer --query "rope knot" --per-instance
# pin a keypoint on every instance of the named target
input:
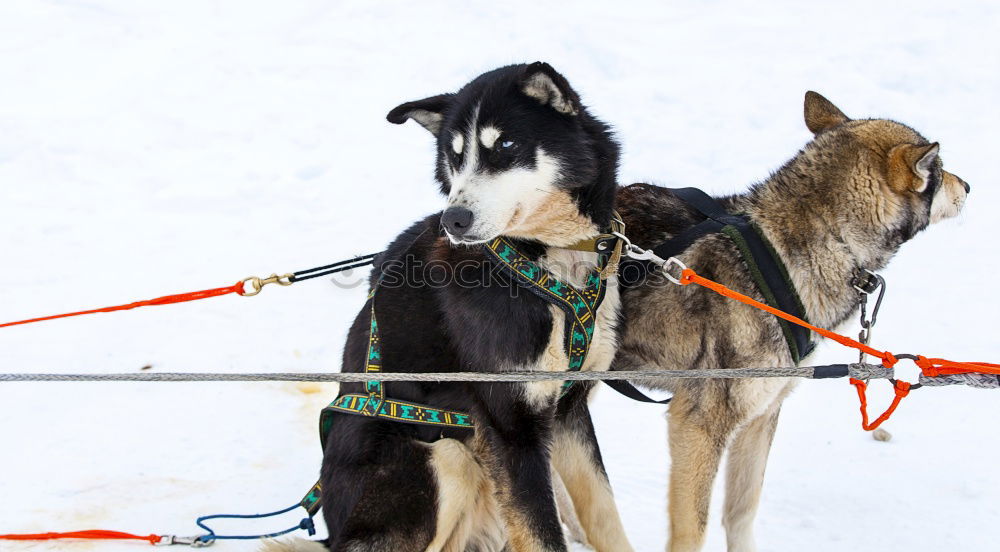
(926, 366)
(307, 525)
(889, 360)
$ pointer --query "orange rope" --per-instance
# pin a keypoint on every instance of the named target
(938, 366)
(89, 534)
(930, 367)
(166, 300)
(902, 390)
(689, 276)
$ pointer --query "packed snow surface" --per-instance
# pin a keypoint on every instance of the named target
(153, 148)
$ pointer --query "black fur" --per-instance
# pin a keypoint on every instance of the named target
(378, 489)
(582, 144)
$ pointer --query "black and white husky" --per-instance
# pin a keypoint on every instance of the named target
(519, 157)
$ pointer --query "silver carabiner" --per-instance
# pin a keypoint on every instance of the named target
(633, 251)
(193, 542)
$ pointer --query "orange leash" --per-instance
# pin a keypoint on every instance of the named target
(246, 287)
(166, 300)
(89, 534)
(689, 276)
(930, 367)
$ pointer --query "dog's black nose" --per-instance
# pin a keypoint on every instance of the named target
(456, 220)
(967, 187)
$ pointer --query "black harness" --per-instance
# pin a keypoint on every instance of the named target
(766, 267)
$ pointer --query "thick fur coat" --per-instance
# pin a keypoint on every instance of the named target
(845, 203)
(518, 156)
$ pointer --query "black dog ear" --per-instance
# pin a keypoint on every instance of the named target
(429, 112)
(543, 83)
(821, 114)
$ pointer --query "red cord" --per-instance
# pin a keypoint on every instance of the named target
(88, 534)
(166, 300)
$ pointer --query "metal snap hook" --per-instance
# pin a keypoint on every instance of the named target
(256, 283)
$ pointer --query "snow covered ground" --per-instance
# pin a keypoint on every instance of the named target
(149, 148)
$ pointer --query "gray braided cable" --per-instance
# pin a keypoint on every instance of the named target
(860, 371)
(981, 381)
(866, 372)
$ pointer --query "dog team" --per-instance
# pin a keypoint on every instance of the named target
(528, 250)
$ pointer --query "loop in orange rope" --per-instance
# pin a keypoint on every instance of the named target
(902, 389)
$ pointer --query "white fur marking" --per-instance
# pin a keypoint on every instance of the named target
(496, 198)
(459, 177)
(948, 200)
(488, 137)
(458, 143)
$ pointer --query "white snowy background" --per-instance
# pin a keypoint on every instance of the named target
(149, 148)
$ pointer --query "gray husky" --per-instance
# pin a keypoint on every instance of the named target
(844, 204)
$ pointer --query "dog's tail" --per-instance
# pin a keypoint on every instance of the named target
(294, 545)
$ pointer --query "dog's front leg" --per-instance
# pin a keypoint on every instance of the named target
(577, 458)
(513, 437)
(745, 477)
(697, 443)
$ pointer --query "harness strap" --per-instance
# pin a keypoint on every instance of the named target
(766, 267)
(375, 403)
(397, 411)
(580, 306)
(601, 244)
(627, 389)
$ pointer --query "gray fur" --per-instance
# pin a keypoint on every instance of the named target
(844, 203)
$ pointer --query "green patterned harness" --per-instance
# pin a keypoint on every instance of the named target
(579, 306)
(375, 403)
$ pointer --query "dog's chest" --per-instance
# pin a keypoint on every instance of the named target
(573, 268)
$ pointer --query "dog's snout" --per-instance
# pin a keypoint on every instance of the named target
(966, 184)
(456, 220)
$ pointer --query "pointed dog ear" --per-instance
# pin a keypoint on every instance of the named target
(921, 160)
(429, 112)
(912, 165)
(543, 83)
(821, 114)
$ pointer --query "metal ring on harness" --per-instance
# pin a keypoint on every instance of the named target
(673, 261)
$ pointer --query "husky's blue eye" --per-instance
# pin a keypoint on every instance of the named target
(506, 144)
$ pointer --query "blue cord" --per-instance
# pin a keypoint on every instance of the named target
(306, 524)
